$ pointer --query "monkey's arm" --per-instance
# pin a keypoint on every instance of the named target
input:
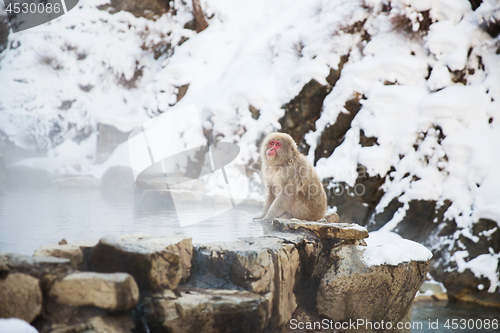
(277, 207)
(269, 200)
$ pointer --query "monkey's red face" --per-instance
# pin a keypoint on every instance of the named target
(274, 146)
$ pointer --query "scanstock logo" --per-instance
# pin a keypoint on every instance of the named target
(171, 152)
(26, 14)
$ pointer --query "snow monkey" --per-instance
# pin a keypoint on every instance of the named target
(293, 188)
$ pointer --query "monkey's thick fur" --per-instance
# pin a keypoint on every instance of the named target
(293, 188)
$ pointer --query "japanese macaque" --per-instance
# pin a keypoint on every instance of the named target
(293, 188)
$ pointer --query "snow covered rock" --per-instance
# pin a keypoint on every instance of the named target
(348, 231)
(377, 282)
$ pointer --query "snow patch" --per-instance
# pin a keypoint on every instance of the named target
(388, 248)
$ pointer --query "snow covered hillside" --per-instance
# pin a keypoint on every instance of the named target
(424, 74)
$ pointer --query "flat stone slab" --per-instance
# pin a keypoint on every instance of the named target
(113, 292)
(350, 231)
(74, 251)
(38, 267)
(211, 311)
(153, 261)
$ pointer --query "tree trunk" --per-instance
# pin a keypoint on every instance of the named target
(201, 22)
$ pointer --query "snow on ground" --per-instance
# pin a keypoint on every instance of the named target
(388, 248)
(15, 325)
(437, 139)
(484, 265)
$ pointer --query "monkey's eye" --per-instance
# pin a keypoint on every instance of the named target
(277, 144)
(271, 143)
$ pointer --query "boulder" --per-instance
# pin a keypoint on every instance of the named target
(207, 310)
(354, 288)
(112, 292)
(21, 297)
(118, 179)
(348, 231)
(268, 266)
(153, 261)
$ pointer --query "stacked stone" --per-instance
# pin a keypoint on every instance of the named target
(302, 269)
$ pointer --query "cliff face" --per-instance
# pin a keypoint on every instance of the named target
(396, 102)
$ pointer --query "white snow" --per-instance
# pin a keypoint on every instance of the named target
(484, 265)
(441, 137)
(388, 248)
(15, 325)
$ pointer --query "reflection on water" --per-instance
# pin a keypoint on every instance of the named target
(31, 219)
(437, 317)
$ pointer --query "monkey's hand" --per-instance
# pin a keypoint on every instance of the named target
(259, 217)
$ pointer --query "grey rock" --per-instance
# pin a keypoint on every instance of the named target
(207, 311)
(113, 292)
(108, 138)
(118, 179)
(350, 289)
(21, 297)
(269, 266)
(151, 260)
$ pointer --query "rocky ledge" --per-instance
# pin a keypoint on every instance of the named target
(300, 271)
